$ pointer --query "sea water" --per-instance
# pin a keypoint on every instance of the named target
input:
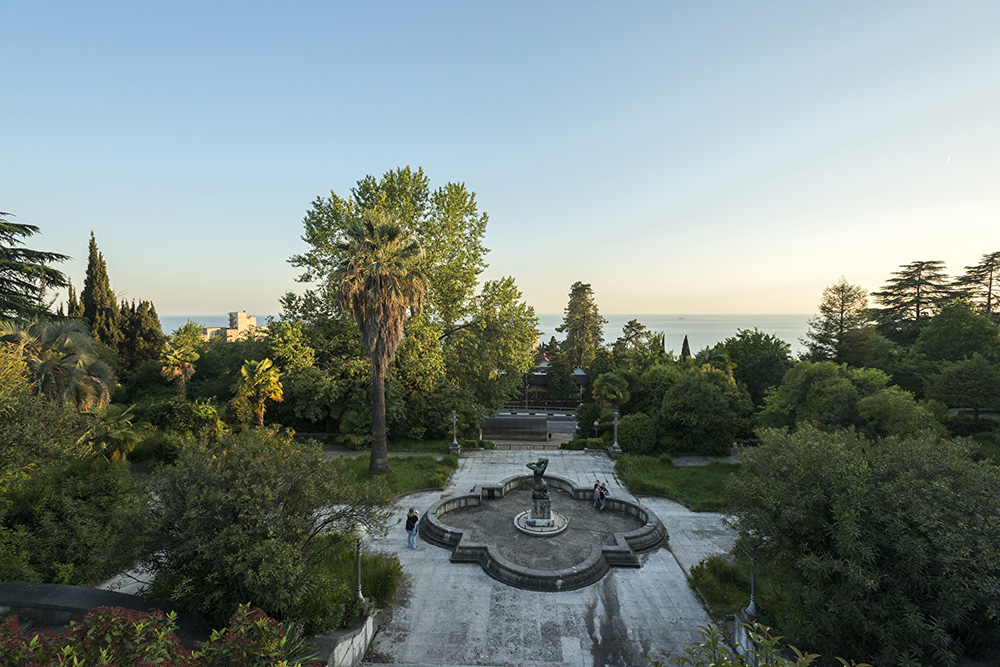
(702, 330)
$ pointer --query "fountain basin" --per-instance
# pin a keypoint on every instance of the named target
(579, 556)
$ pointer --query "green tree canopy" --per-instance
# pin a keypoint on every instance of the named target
(972, 383)
(583, 326)
(842, 310)
(25, 274)
(445, 222)
(864, 547)
(835, 397)
(958, 331)
(759, 360)
(703, 412)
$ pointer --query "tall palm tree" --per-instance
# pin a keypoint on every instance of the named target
(178, 359)
(259, 381)
(62, 358)
(378, 283)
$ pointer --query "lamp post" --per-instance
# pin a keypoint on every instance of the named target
(596, 425)
(358, 533)
(614, 451)
(454, 448)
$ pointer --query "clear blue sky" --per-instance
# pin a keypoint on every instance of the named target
(709, 157)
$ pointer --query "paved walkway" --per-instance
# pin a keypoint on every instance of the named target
(454, 614)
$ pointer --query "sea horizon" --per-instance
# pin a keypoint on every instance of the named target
(702, 330)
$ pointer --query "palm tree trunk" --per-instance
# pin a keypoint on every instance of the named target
(380, 451)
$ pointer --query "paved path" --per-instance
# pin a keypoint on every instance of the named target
(454, 614)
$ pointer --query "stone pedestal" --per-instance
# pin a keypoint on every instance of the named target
(541, 513)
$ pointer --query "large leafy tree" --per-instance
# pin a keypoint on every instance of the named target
(855, 560)
(100, 306)
(958, 331)
(703, 411)
(259, 381)
(759, 360)
(983, 282)
(378, 282)
(583, 326)
(63, 359)
(972, 383)
(834, 397)
(843, 309)
(446, 222)
(912, 296)
(24, 273)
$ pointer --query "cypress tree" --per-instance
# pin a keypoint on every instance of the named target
(143, 337)
(685, 349)
(74, 308)
(100, 307)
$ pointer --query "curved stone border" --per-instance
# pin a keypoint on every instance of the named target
(651, 535)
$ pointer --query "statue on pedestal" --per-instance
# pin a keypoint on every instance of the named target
(539, 489)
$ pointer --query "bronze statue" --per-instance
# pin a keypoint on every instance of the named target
(539, 489)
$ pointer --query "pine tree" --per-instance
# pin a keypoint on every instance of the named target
(843, 308)
(911, 297)
(100, 307)
(983, 283)
(74, 308)
(24, 273)
(583, 326)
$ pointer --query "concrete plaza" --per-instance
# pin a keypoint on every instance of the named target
(455, 614)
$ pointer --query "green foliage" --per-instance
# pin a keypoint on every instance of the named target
(724, 585)
(559, 380)
(259, 381)
(701, 488)
(843, 313)
(956, 332)
(832, 397)
(583, 326)
(768, 650)
(759, 360)
(143, 338)
(100, 306)
(407, 473)
(637, 433)
(611, 390)
(178, 357)
(380, 573)
(972, 383)
(237, 521)
(703, 412)
(908, 299)
(24, 274)
(873, 545)
(111, 436)
(117, 636)
(34, 431)
(64, 360)
(82, 524)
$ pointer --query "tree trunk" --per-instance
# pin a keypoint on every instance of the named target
(380, 451)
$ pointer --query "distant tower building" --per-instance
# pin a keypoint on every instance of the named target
(240, 326)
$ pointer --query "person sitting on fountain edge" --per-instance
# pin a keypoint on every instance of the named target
(603, 494)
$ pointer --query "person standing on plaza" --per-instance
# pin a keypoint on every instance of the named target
(412, 526)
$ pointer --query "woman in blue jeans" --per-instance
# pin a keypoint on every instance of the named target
(412, 527)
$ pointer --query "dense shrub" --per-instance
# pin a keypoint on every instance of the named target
(703, 412)
(73, 523)
(237, 521)
(873, 545)
(637, 433)
(116, 636)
